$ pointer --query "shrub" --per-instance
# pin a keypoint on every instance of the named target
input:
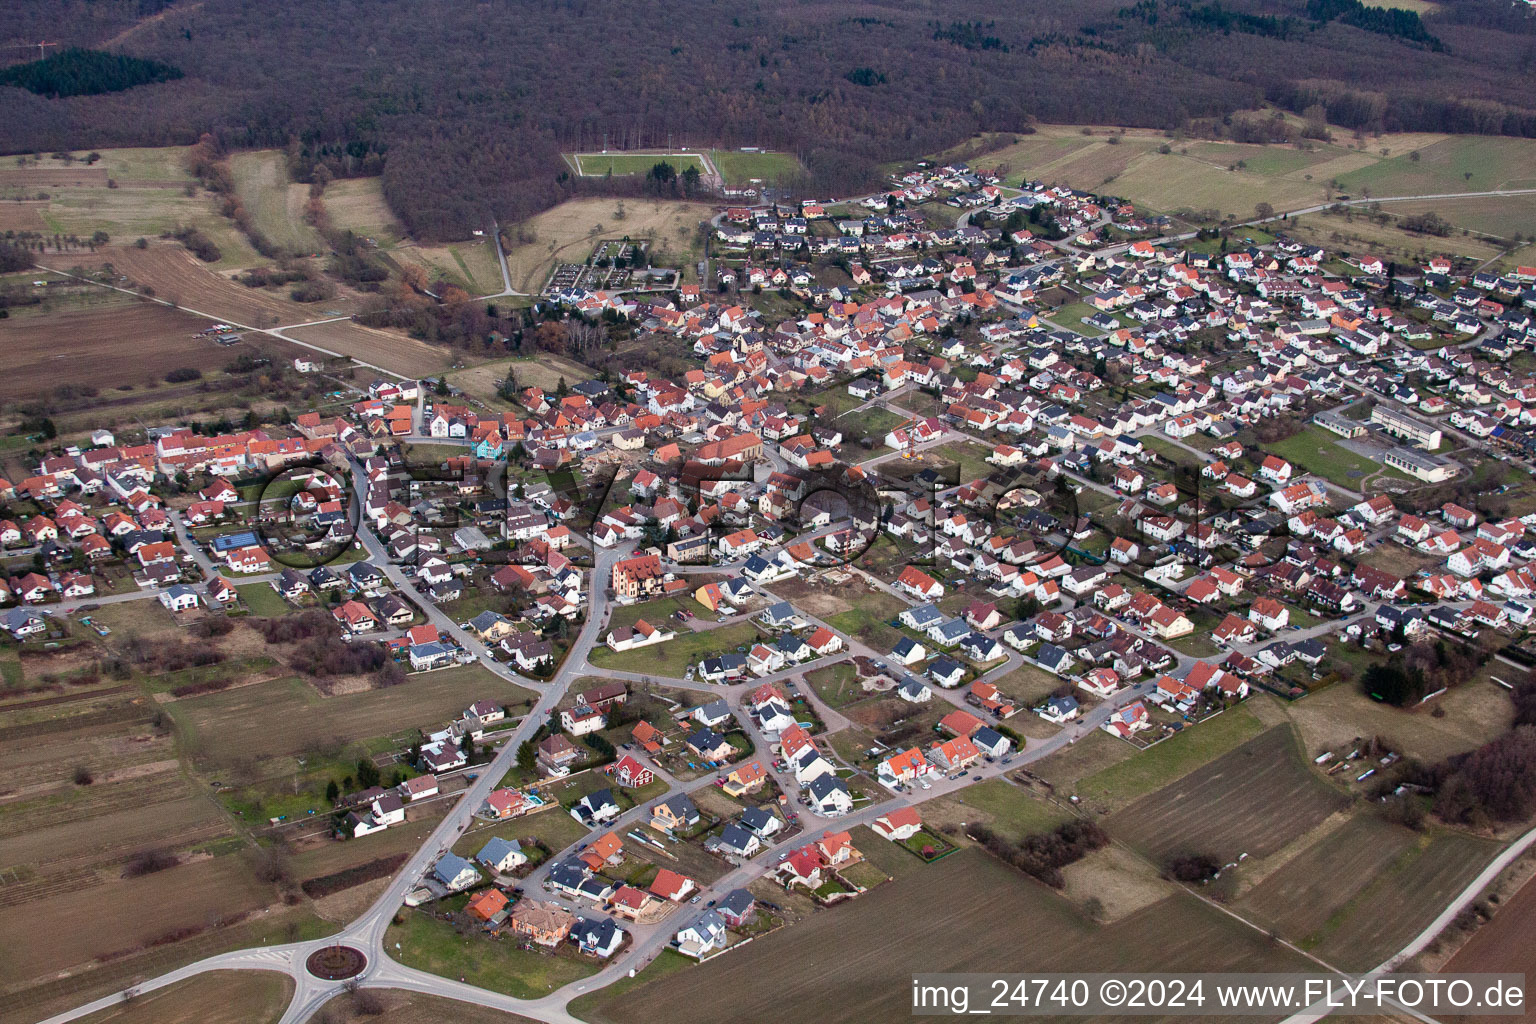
(147, 862)
(1193, 867)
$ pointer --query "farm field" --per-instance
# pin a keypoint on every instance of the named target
(393, 351)
(219, 997)
(1358, 233)
(1500, 216)
(179, 277)
(1501, 945)
(121, 341)
(414, 1008)
(1299, 899)
(276, 205)
(471, 264)
(1401, 900)
(566, 233)
(287, 717)
(738, 168)
(1168, 761)
(877, 948)
(147, 196)
(1232, 178)
(598, 165)
(80, 925)
(357, 205)
(1252, 800)
(45, 997)
(1453, 164)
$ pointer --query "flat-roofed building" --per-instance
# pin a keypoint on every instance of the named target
(1406, 427)
(1421, 465)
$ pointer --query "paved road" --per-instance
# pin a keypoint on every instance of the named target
(367, 931)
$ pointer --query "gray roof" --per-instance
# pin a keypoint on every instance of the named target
(705, 739)
(756, 818)
(924, 615)
(737, 902)
(822, 785)
(780, 612)
(715, 710)
(954, 629)
(450, 866)
(680, 806)
(495, 851)
(737, 838)
(987, 737)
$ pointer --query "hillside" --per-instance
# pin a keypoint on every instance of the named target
(466, 110)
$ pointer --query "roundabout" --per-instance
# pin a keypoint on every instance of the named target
(336, 963)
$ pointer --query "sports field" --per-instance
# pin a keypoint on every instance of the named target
(739, 168)
(596, 165)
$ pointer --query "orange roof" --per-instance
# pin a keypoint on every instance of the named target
(487, 903)
(670, 885)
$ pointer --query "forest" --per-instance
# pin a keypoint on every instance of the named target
(465, 109)
(78, 72)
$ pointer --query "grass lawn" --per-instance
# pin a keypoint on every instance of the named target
(429, 944)
(1171, 759)
(1315, 451)
(263, 600)
(873, 422)
(738, 167)
(673, 657)
(1172, 452)
(1072, 315)
(972, 459)
(871, 624)
(667, 962)
(658, 613)
(837, 685)
(557, 829)
(1000, 804)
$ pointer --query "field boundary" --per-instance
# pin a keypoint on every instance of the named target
(576, 158)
